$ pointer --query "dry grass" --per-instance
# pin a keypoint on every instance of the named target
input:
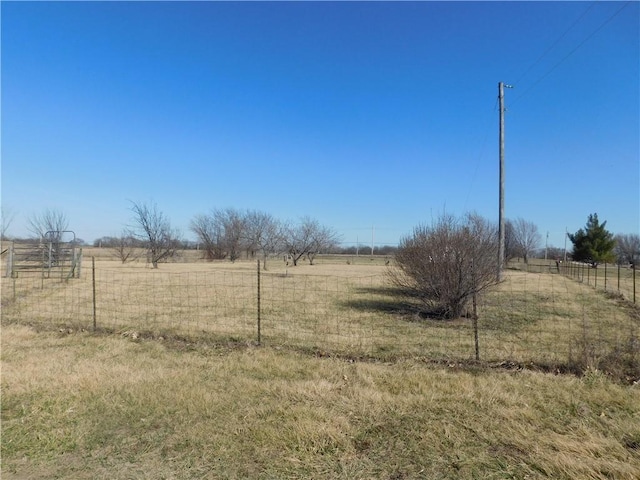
(617, 280)
(532, 318)
(104, 406)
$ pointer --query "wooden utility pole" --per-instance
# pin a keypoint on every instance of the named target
(501, 227)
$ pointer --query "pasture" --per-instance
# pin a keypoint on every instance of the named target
(347, 381)
(337, 306)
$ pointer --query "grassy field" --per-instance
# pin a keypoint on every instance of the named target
(349, 382)
(342, 308)
(619, 279)
(96, 406)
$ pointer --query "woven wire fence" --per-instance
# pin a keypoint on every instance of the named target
(611, 278)
(532, 317)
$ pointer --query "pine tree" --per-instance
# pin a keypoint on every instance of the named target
(594, 244)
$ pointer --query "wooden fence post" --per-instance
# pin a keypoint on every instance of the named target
(93, 282)
(475, 315)
(259, 326)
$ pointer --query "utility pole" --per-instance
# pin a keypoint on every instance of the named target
(546, 246)
(501, 227)
(372, 239)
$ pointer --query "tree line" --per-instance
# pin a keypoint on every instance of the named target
(224, 234)
(443, 265)
(229, 233)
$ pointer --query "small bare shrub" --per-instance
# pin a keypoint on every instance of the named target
(445, 264)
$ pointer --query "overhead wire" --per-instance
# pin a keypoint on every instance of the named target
(563, 59)
(547, 73)
(536, 62)
(544, 54)
(479, 158)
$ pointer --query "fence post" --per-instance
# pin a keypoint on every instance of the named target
(9, 271)
(618, 276)
(588, 276)
(43, 269)
(605, 276)
(259, 326)
(93, 283)
(475, 315)
(79, 263)
(634, 282)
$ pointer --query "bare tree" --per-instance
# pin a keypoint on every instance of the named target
(445, 264)
(221, 233)
(154, 229)
(309, 238)
(264, 233)
(323, 240)
(298, 240)
(49, 220)
(627, 247)
(511, 250)
(210, 236)
(125, 246)
(232, 223)
(526, 238)
(50, 226)
(7, 215)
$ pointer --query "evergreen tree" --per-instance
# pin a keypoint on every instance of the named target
(594, 244)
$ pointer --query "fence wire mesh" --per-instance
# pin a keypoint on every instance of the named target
(538, 317)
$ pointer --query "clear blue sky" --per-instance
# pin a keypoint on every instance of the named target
(356, 114)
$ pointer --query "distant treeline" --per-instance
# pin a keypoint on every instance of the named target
(115, 242)
(366, 250)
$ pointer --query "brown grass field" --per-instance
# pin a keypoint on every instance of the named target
(333, 306)
(348, 382)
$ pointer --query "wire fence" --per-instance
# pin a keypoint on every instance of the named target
(611, 278)
(552, 318)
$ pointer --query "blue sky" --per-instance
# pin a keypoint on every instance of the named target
(361, 114)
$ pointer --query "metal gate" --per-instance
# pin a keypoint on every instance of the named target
(56, 255)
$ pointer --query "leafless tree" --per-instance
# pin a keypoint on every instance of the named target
(627, 247)
(445, 264)
(264, 233)
(49, 220)
(324, 239)
(154, 228)
(511, 250)
(49, 226)
(526, 238)
(309, 238)
(210, 236)
(125, 246)
(233, 224)
(7, 215)
(221, 232)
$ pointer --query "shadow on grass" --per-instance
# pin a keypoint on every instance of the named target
(404, 304)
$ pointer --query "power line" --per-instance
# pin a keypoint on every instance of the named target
(556, 42)
(546, 74)
(480, 155)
